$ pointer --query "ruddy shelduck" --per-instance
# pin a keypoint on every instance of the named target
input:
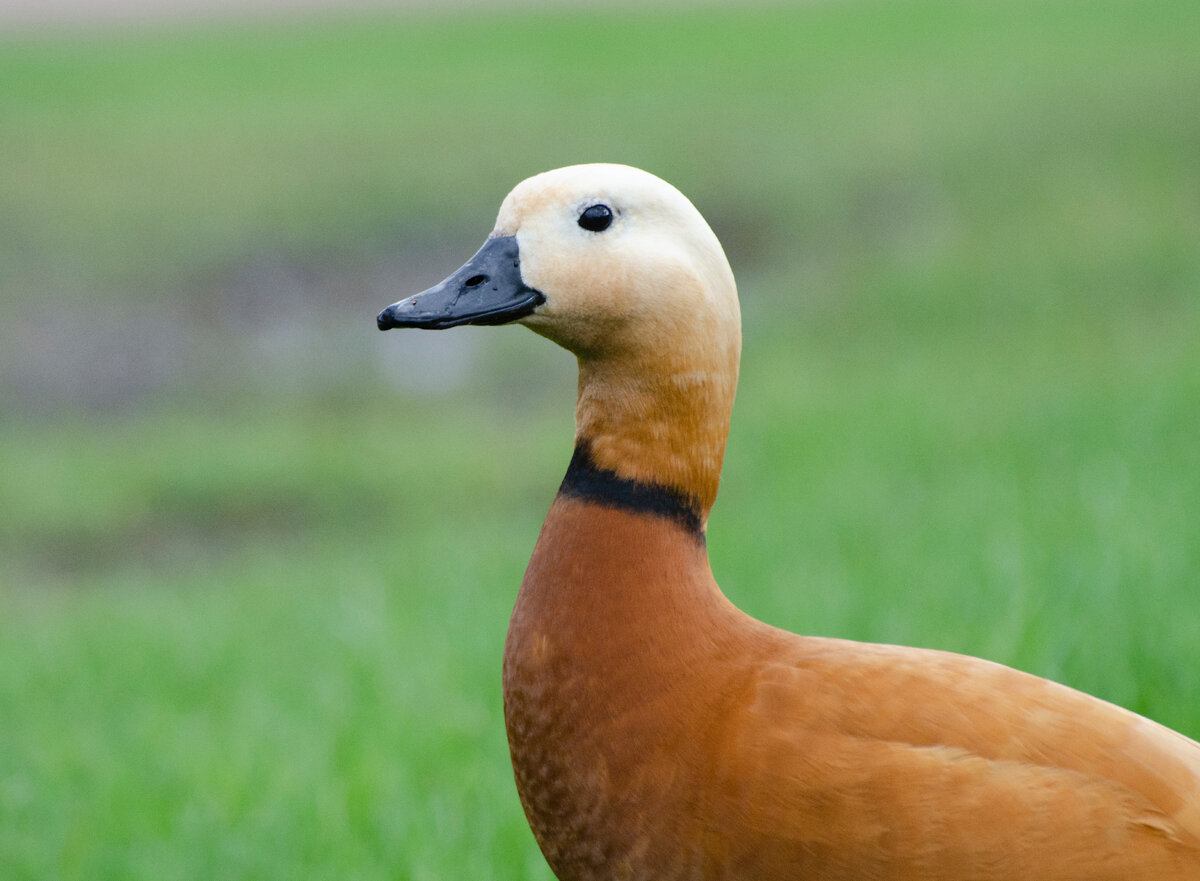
(659, 733)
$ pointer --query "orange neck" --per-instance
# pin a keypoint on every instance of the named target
(660, 424)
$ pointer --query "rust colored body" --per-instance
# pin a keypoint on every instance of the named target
(658, 733)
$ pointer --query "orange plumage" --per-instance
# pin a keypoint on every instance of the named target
(656, 731)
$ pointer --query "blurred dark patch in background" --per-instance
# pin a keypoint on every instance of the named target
(273, 323)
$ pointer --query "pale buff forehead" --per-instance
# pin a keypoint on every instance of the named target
(565, 189)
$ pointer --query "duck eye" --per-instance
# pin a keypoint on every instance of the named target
(596, 218)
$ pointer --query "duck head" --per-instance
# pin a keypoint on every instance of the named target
(618, 267)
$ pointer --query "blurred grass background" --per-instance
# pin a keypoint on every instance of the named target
(256, 559)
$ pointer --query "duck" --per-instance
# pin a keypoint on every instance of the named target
(658, 732)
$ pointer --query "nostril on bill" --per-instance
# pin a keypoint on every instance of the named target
(475, 281)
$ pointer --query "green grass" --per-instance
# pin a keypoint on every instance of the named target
(252, 630)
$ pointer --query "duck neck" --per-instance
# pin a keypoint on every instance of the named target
(651, 436)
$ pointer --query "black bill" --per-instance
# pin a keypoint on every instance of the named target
(488, 289)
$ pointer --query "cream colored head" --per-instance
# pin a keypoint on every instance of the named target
(655, 276)
(648, 304)
(644, 297)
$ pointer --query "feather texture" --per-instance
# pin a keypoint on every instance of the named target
(658, 733)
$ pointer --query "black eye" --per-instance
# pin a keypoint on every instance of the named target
(596, 218)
